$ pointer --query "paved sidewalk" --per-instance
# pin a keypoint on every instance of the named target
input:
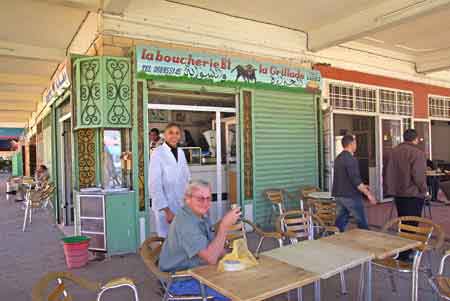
(25, 257)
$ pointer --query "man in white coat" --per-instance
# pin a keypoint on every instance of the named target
(169, 177)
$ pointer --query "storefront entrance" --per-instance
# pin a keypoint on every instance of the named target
(375, 135)
(66, 210)
(210, 139)
(440, 133)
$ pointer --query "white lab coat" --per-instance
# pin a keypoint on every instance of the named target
(168, 181)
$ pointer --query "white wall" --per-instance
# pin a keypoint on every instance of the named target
(440, 135)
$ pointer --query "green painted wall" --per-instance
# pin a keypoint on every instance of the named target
(17, 166)
(285, 145)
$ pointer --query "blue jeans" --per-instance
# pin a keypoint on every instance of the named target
(353, 206)
(192, 287)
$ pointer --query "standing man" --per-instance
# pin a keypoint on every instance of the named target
(348, 188)
(155, 139)
(405, 176)
(169, 176)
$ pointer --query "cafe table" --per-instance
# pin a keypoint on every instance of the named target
(271, 277)
(378, 244)
(322, 258)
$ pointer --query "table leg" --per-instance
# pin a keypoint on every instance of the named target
(361, 282)
(203, 292)
(300, 294)
(369, 281)
(317, 290)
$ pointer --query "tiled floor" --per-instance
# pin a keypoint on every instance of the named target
(24, 257)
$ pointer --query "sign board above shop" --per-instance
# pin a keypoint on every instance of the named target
(169, 65)
(59, 84)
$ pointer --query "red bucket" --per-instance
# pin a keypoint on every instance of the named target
(76, 251)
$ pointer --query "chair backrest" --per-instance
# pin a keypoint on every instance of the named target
(237, 231)
(420, 229)
(305, 191)
(150, 251)
(297, 225)
(277, 198)
(51, 287)
(325, 211)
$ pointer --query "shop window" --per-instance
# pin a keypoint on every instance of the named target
(346, 97)
(365, 99)
(439, 106)
(396, 102)
(116, 170)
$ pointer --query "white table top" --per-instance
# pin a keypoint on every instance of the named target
(320, 257)
(321, 195)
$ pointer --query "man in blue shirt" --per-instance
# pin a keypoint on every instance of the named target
(191, 242)
(348, 188)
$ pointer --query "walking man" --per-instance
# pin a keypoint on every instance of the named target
(405, 176)
(348, 188)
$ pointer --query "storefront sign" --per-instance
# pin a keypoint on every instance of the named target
(59, 84)
(166, 64)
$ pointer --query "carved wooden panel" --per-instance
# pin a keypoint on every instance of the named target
(86, 157)
(248, 145)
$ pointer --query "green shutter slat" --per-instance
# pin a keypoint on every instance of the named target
(285, 145)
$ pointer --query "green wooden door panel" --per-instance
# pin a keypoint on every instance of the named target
(121, 223)
(285, 145)
(88, 92)
(117, 92)
(103, 89)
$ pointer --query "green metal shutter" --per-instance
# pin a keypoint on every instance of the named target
(285, 145)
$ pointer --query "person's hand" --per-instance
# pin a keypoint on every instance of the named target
(169, 215)
(230, 219)
(371, 198)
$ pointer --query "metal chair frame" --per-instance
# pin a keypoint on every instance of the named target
(441, 283)
(37, 199)
(420, 233)
(150, 251)
(60, 291)
(279, 198)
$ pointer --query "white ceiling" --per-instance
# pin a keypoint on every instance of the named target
(296, 14)
(420, 35)
(417, 28)
(34, 37)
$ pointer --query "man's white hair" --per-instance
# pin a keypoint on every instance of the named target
(195, 185)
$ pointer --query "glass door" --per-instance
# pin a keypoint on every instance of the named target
(423, 132)
(390, 135)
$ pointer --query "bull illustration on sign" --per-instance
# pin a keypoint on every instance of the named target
(247, 72)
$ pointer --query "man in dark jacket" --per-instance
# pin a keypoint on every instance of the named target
(348, 188)
(405, 178)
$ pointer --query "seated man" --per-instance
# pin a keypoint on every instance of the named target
(190, 242)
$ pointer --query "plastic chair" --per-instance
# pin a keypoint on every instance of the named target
(150, 251)
(440, 283)
(60, 291)
(298, 225)
(419, 229)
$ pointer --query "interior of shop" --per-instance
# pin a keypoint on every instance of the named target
(211, 156)
(363, 127)
(440, 134)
